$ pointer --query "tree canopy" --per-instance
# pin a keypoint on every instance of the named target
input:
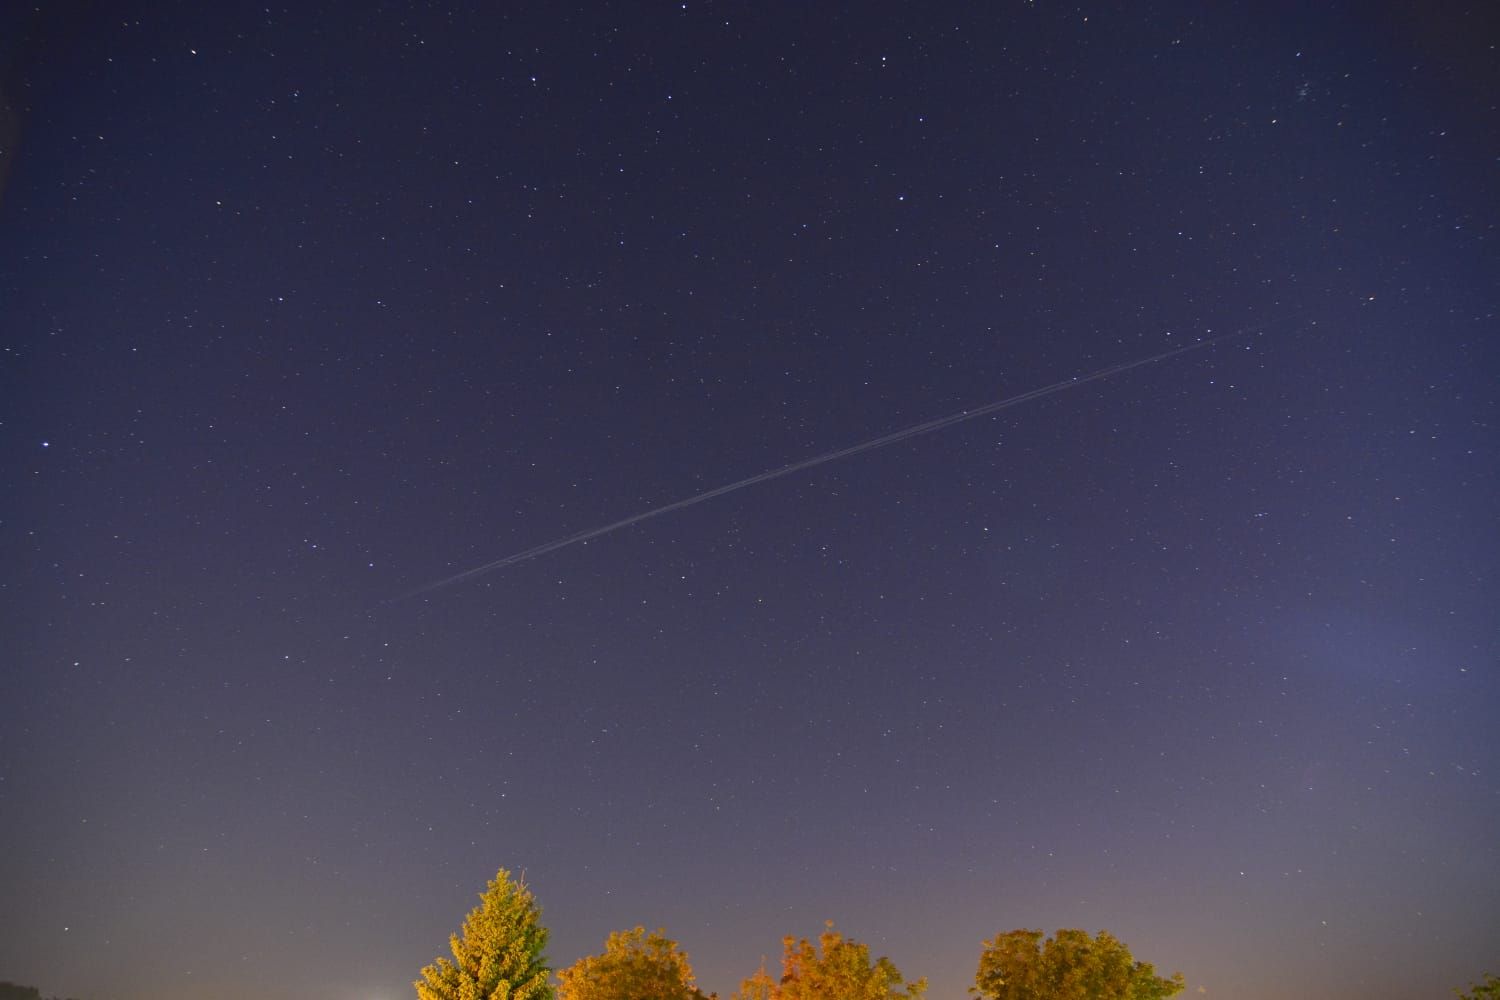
(499, 954)
(635, 965)
(842, 971)
(1487, 990)
(1070, 965)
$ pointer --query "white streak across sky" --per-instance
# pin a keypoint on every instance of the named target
(893, 437)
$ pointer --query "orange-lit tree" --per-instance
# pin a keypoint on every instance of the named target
(842, 971)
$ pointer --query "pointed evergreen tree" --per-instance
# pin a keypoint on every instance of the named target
(499, 954)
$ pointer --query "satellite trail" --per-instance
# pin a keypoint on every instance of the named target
(817, 460)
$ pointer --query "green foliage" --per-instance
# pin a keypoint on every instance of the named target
(635, 966)
(843, 971)
(1487, 990)
(499, 955)
(1069, 966)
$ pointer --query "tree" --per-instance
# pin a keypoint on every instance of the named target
(1487, 990)
(760, 986)
(842, 972)
(499, 955)
(1068, 966)
(635, 966)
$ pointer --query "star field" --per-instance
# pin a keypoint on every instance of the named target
(306, 310)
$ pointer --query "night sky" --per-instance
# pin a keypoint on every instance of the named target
(305, 310)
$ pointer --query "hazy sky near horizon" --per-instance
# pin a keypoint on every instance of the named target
(305, 309)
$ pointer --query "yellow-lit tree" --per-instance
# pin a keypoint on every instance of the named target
(498, 955)
(635, 965)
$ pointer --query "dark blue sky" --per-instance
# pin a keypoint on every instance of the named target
(305, 309)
